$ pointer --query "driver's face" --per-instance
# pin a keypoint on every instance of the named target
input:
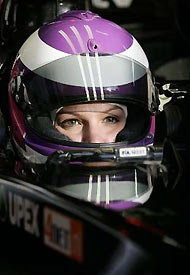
(94, 123)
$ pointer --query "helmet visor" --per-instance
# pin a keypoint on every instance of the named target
(87, 78)
(82, 79)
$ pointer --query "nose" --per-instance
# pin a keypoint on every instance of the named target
(92, 134)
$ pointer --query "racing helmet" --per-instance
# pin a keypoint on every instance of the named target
(78, 58)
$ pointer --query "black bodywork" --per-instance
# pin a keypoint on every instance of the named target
(44, 230)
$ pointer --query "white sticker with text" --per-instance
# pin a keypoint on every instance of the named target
(133, 152)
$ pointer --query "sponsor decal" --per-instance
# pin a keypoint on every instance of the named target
(3, 204)
(133, 152)
(63, 234)
(23, 213)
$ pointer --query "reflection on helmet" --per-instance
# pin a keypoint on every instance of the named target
(109, 187)
(78, 58)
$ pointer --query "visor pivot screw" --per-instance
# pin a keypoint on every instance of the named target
(92, 45)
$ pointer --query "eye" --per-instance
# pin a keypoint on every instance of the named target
(111, 119)
(69, 123)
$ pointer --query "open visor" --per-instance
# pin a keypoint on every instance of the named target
(84, 78)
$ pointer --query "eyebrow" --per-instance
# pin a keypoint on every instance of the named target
(62, 111)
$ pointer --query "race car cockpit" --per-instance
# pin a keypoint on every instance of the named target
(122, 199)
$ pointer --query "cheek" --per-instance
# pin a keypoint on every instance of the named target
(117, 127)
(73, 134)
(59, 129)
(110, 133)
(122, 126)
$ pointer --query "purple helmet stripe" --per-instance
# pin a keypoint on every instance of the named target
(99, 26)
